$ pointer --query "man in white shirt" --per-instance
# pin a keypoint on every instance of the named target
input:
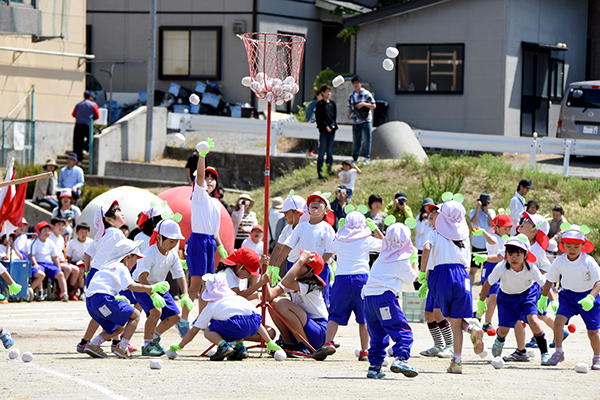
(517, 204)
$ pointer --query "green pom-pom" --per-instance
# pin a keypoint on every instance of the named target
(389, 220)
(362, 209)
(164, 203)
(167, 215)
(522, 238)
(506, 238)
(446, 196)
(291, 193)
(317, 192)
(152, 203)
(458, 197)
(177, 217)
(584, 229)
(565, 226)
(349, 208)
(410, 222)
(326, 195)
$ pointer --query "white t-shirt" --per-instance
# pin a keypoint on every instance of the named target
(101, 250)
(578, 276)
(234, 281)
(516, 208)
(312, 303)
(223, 309)
(283, 237)
(44, 251)
(444, 251)
(4, 252)
(306, 236)
(423, 229)
(59, 241)
(112, 279)
(2, 269)
(493, 249)
(479, 241)
(353, 257)
(206, 211)
(158, 266)
(22, 244)
(542, 261)
(145, 239)
(257, 247)
(76, 249)
(389, 276)
(348, 178)
(513, 282)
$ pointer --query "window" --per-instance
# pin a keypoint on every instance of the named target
(190, 53)
(557, 79)
(430, 68)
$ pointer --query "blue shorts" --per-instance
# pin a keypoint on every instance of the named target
(569, 307)
(24, 255)
(451, 288)
(200, 254)
(237, 327)
(430, 303)
(89, 276)
(49, 269)
(128, 293)
(315, 330)
(34, 271)
(146, 302)
(108, 312)
(349, 193)
(485, 272)
(515, 307)
(346, 297)
(326, 276)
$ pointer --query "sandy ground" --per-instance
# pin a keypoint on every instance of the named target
(51, 330)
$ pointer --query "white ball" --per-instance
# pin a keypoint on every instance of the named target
(498, 362)
(388, 64)
(277, 82)
(27, 357)
(531, 353)
(279, 101)
(288, 80)
(295, 88)
(269, 97)
(337, 81)
(179, 138)
(582, 368)
(212, 351)
(255, 86)
(391, 52)
(280, 355)
(287, 96)
(246, 81)
(390, 351)
(386, 362)
(171, 354)
(156, 364)
(484, 353)
(357, 352)
(194, 99)
(277, 90)
(260, 76)
(202, 146)
(13, 354)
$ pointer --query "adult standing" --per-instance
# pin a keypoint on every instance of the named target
(243, 218)
(481, 217)
(45, 188)
(325, 115)
(84, 112)
(360, 104)
(274, 216)
(398, 208)
(71, 177)
(517, 204)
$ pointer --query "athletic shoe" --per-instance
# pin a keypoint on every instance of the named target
(302, 348)
(72, 296)
(448, 352)
(487, 326)
(223, 351)
(545, 358)
(95, 351)
(366, 161)
(596, 365)
(375, 372)
(363, 355)
(497, 348)
(402, 366)
(518, 357)
(454, 368)
(532, 343)
(64, 298)
(80, 348)
(325, 350)
(7, 340)
(151, 350)
(565, 336)
(119, 352)
(477, 339)
(432, 352)
(287, 347)
(131, 348)
(239, 353)
(182, 328)
(556, 358)
(158, 345)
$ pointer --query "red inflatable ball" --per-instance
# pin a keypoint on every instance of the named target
(179, 199)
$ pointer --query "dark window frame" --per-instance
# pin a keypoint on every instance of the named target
(557, 81)
(430, 92)
(169, 28)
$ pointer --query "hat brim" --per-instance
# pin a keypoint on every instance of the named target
(452, 231)
(588, 246)
(211, 170)
(432, 206)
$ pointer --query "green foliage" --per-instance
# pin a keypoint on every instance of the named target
(347, 32)
(326, 76)
(436, 184)
(341, 10)
(301, 114)
(89, 193)
(29, 169)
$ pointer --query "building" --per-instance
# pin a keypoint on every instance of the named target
(481, 66)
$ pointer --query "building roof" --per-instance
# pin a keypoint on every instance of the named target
(391, 11)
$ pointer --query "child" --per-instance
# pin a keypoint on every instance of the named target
(206, 221)
(226, 318)
(448, 279)
(348, 173)
(13, 288)
(146, 223)
(517, 297)
(351, 247)
(22, 242)
(45, 258)
(6, 251)
(243, 218)
(385, 319)
(580, 279)
(125, 230)
(107, 308)
(254, 240)
(76, 251)
(66, 207)
(306, 312)
(293, 209)
(71, 271)
(239, 267)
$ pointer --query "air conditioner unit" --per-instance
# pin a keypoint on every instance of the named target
(239, 26)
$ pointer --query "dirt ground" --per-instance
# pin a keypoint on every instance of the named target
(50, 330)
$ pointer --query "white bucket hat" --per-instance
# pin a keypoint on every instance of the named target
(451, 223)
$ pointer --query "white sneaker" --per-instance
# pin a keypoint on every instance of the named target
(448, 352)
(366, 161)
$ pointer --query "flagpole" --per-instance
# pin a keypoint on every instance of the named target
(26, 179)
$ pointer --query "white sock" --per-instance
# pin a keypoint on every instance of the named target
(156, 335)
(97, 341)
(147, 342)
(124, 343)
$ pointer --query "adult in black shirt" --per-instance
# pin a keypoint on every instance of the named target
(190, 167)
(325, 115)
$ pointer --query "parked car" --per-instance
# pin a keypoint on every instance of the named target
(92, 84)
(580, 111)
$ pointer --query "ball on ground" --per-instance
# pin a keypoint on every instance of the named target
(498, 362)
(572, 328)
(386, 362)
(337, 81)
(156, 364)
(27, 357)
(582, 368)
(179, 139)
(357, 352)
(13, 354)
(391, 52)
(171, 354)
(279, 355)
(211, 352)
(194, 99)
(388, 64)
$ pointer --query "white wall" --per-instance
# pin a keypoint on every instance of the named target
(52, 139)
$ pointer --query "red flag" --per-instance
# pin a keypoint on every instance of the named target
(13, 207)
(6, 204)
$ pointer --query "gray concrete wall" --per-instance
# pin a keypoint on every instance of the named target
(34, 213)
(476, 23)
(52, 139)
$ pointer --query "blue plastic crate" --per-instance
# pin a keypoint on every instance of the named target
(20, 271)
(413, 307)
(174, 89)
(211, 99)
(200, 87)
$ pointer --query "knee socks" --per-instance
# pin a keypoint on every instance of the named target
(541, 342)
(436, 334)
(447, 332)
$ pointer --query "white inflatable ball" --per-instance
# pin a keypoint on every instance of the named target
(212, 351)
(277, 82)
(268, 84)
(247, 81)
(269, 97)
(279, 101)
(13, 354)
(277, 90)
(498, 362)
(202, 146)
(531, 353)
(194, 99)
(337, 81)
(287, 96)
(288, 80)
(357, 352)
(255, 86)
(27, 357)
(179, 139)
(484, 353)
(388, 64)
(390, 351)
(582, 368)
(391, 52)
(295, 88)
(156, 364)
(386, 362)
(171, 354)
(260, 76)
(286, 88)
(280, 355)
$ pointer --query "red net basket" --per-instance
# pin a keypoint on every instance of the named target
(274, 60)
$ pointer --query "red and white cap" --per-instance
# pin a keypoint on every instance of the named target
(521, 242)
(574, 236)
(167, 228)
(502, 220)
(155, 211)
(317, 265)
(329, 217)
(246, 257)
(542, 227)
(99, 218)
